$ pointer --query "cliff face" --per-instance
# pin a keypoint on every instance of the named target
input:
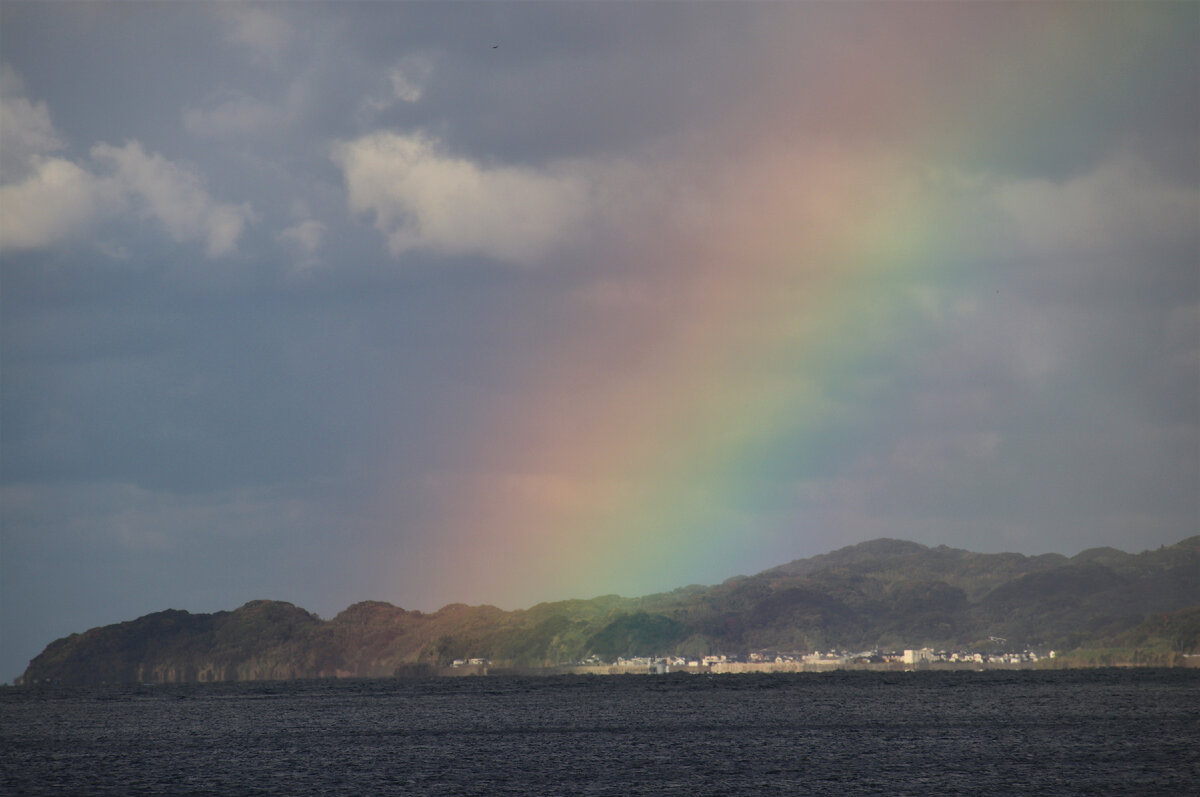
(885, 593)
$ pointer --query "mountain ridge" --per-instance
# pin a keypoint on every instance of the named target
(883, 593)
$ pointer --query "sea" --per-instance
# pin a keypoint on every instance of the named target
(1094, 732)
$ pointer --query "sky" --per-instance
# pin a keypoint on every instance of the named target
(517, 302)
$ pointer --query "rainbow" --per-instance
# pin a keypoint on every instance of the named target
(669, 432)
(647, 472)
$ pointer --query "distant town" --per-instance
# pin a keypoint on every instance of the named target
(775, 661)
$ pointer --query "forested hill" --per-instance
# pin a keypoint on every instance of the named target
(885, 594)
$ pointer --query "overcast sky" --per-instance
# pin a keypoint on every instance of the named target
(508, 303)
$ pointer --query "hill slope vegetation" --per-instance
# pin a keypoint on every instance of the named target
(885, 594)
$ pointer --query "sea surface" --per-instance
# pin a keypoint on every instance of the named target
(928, 733)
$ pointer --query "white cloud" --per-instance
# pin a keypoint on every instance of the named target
(1120, 204)
(42, 198)
(25, 128)
(422, 198)
(409, 76)
(175, 197)
(49, 199)
(54, 202)
(404, 82)
(59, 200)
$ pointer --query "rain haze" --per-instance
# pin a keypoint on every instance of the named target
(518, 302)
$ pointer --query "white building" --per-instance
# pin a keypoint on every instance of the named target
(918, 656)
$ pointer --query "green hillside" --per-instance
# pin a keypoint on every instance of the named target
(883, 594)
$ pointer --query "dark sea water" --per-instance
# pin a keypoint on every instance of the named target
(928, 733)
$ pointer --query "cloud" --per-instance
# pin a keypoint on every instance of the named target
(175, 197)
(56, 201)
(60, 200)
(44, 198)
(25, 128)
(49, 199)
(404, 82)
(234, 116)
(1121, 204)
(409, 76)
(423, 198)
(265, 34)
(305, 238)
